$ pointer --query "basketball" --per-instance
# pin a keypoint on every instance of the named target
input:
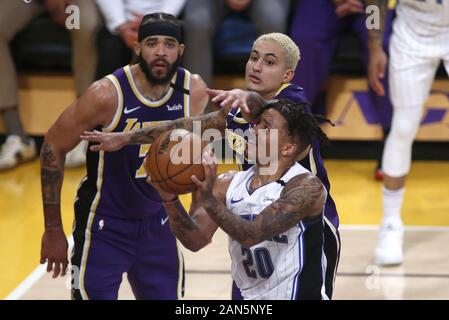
(172, 160)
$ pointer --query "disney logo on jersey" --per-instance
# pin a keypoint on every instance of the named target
(267, 200)
(174, 107)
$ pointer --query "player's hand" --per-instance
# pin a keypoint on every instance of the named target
(107, 141)
(251, 104)
(166, 196)
(238, 5)
(129, 33)
(235, 98)
(347, 7)
(205, 187)
(138, 17)
(376, 69)
(54, 251)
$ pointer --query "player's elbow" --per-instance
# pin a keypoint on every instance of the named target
(195, 248)
(317, 206)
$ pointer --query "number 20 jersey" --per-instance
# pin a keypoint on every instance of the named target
(289, 266)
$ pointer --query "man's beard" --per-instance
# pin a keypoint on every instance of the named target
(154, 79)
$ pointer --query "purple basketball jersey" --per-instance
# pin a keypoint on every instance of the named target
(116, 181)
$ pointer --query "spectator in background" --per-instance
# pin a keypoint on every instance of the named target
(15, 16)
(316, 27)
(202, 17)
(122, 19)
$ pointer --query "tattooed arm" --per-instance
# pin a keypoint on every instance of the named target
(95, 107)
(250, 103)
(303, 197)
(194, 229)
(377, 57)
(117, 140)
(215, 120)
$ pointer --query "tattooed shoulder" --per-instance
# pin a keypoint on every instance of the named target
(303, 197)
(306, 193)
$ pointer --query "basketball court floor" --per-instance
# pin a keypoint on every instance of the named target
(424, 274)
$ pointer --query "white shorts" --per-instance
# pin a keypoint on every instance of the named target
(414, 60)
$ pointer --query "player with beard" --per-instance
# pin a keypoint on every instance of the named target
(120, 222)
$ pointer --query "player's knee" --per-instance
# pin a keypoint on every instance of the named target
(404, 132)
(404, 129)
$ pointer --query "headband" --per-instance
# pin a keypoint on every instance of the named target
(159, 28)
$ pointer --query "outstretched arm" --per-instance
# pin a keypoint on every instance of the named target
(303, 197)
(250, 103)
(116, 140)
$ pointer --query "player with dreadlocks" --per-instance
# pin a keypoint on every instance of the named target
(274, 221)
(269, 70)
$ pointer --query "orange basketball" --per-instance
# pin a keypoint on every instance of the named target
(172, 160)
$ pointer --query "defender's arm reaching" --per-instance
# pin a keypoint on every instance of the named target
(250, 104)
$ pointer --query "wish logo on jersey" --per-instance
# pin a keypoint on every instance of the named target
(174, 107)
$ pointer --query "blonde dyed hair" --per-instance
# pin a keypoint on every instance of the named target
(292, 53)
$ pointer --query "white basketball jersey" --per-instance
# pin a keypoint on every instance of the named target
(270, 269)
(426, 17)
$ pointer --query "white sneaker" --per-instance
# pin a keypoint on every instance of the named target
(77, 157)
(389, 248)
(14, 151)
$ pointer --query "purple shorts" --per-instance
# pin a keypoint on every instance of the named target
(143, 248)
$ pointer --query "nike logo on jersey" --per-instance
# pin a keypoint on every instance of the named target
(126, 111)
(235, 201)
(164, 221)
